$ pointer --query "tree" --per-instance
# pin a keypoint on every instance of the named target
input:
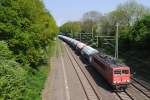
(104, 26)
(89, 21)
(26, 30)
(133, 11)
(12, 83)
(27, 27)
(71, 28)
(126, 15)
(140, 33)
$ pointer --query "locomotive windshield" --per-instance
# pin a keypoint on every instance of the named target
(119, 72)
(125, 72)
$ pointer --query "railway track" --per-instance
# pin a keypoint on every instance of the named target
(90, 91)
(145, 85)
(124, 95)
(121, 95)
(140, 87)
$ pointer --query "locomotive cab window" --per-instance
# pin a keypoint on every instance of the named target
(125, 72)
(117, 72)
(120, 72)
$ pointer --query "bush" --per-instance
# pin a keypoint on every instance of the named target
(13, 76)
(5, 53)
(140, 33)
(12, 80)
(27, 29)
(19, 82)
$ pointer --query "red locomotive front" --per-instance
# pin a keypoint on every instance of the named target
(117, 75)
(121, 77)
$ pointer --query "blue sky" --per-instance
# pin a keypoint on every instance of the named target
(72, 10)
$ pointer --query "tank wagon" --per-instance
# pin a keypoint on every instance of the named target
(117, 75)
(74, 43)
(80, 46)
(87, 52)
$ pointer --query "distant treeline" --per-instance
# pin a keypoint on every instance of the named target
(26, 31)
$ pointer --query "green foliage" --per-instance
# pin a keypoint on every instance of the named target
(17, 84)
(35, 83)
(89, 21)
(26, 31)
(10, 80)
(140, 33)
(72, 28)
(27, 27)
(12, 75)
(88, 26)
(5, 53)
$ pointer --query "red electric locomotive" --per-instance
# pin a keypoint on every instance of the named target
(117, 75)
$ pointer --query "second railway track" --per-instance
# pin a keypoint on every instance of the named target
(87, 86)
(140, 87)
(124, 95)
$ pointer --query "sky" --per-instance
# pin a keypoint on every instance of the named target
(72, 10)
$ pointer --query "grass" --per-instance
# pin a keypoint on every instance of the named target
(36, 82)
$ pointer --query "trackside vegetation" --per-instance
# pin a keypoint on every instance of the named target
(27, 31)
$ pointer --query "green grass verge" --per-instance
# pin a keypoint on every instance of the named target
(37, 81)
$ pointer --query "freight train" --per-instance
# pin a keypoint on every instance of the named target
(117, 75)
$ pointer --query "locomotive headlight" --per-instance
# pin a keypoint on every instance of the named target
(128, 80)
(115, 82)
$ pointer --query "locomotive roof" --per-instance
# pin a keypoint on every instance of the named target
(110, 60)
